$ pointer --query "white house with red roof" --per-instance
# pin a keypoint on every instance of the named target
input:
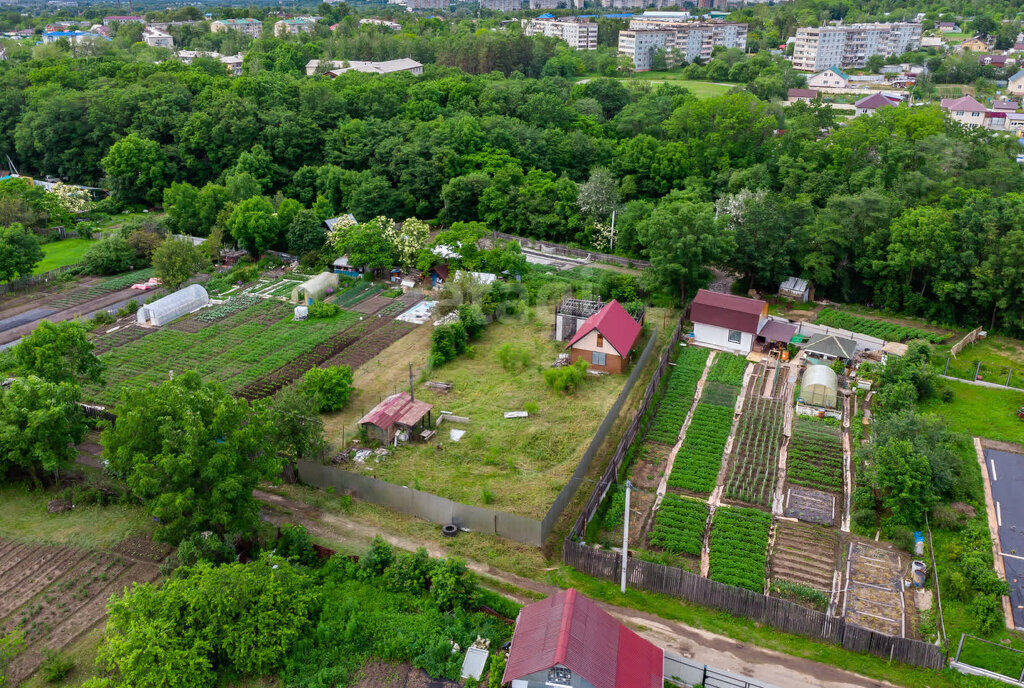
(567, 640)
(965, 110)
(605, 339)
(871, 104)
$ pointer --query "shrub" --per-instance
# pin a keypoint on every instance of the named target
(323, 309)
(988, 614)
(205, 547)
(102, 318)
(865, 518)
(567, 378)
(945, 517)
(498, 662)
(447, 342)
(512, 357)
(408, 572)
(128, 309)
(472, 318)
(294, 541)
(55, 666)
(109, 257)
(451, 584)
(903, 538)
(330, 387)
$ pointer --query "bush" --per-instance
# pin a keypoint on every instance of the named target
(330, 387)
(408, 572)
(294, 542)
(447, 342)
(128, 309)
(206, 547)
(498, 662)
(865, 518)
(472, 319)
(512, 357)
(109, 257)
(451, 584)
(567, 378)
(902, 537)
(323, 309)
(945, 517)
(987, 611)
(55, 666)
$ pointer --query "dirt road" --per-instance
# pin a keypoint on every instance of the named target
(714, 650)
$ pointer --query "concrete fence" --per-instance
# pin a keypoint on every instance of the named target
(560, 250)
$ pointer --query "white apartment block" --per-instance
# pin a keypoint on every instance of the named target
(435, 5)
(683, 41)
(578, 33)
(502, 5)
(250, 27)
(293, 27)
(821, 47)
(556, 4)
(156, 38)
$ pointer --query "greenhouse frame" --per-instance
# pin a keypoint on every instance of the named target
(818, 386)
(315, 288)
(173, 306)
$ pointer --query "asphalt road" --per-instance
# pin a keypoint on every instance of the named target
(1006, 475)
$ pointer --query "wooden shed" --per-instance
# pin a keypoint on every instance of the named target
(397, 416)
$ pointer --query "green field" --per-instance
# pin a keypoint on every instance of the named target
(516, 465)
(701, 89)
(980, 411)
(57, 254)
(234, 351)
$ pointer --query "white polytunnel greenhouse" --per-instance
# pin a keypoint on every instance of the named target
(173, 306)
(818, 387)
(315, 288)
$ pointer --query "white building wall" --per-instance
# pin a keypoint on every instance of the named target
(718, 337)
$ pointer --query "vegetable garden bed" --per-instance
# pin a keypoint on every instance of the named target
(874, 328)
(80, 295)
(728, 369)
(739, 547)
(698, 461)
(679, 525)
(755, 452)
(816, 455)
(678, 397)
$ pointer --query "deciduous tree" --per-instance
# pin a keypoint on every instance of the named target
(58, 352)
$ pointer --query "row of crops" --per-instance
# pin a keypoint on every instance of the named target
(739, 547)
(699, 460)
(678, 397)
(830, 317)
(679, 525)
(755, 454)
(816, 455)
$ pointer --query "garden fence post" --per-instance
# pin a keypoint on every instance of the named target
(960, 646)
(625, 536)
(946, 369)
(1009, 372)
(977, 370)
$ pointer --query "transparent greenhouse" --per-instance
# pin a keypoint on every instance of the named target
(173, 306)
(818, 387)
(315, 288)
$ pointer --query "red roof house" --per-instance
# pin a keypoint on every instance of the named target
(605, 339)
(725, 321)
(396, 414)
(569, 634)
(876, 101)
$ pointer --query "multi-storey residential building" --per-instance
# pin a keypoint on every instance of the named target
(580, 34)
(636, 4)
(394, 26)
(158, 39)
(293, 27)
(436, 5)
(502, 5)
(681, 40)
(123, 19)
(821, 47)
(250, 27)
(556, 4)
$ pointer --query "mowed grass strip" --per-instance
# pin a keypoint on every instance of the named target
(980, 411)
(57, 254)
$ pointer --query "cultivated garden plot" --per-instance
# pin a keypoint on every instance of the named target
(888, 331)
(79, 295)
(52, 595)
(679, 525)
(678, 396)
(234, 350)
(812, 506)
(370, 344)
(874, 589)
(815, 458)
(739, 547)
(803, 563)
(754, 460)
(699, 460)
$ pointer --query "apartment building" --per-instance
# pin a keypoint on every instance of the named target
(636, 4)
(556, 4)
(580, 34)
(250, 27)
(502, 5)
(156, 38)
(434, 5)
(682, 40)
(293, 27)
(850, 46)
(123, 19)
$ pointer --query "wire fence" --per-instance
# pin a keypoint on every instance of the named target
(26, 283)
(979, 657)
(973, 371)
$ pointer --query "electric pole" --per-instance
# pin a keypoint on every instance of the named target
(625, 535)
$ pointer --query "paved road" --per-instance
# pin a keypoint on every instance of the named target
(1006, 475)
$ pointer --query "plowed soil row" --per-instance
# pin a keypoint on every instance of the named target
(372, 344)
(270, 384)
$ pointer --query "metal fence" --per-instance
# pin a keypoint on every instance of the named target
(559, 250)
(32, 280)
(685, 672)
(436, 509)
(1005, 663)
(770, 611)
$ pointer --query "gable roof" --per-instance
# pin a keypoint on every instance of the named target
(834, 69)
(997, 60)
(874, 102)
(802, 93)
(794, 284)
(398, 408)
(726, 310)
(1006, 105)
(777, 331)
(570, 630)
(615, 324)
(1017, 76)
(962, 104)
(831, 345)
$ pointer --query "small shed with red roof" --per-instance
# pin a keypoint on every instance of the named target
(605, 339)
(567, 640)
(398, 415)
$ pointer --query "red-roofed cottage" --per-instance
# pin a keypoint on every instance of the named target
(725, 321)
(605, 339)
(567, 640)
(398, 415)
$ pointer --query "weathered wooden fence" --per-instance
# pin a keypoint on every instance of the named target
(32, 280)
(771, 611)
(560, 250)
(968, 338)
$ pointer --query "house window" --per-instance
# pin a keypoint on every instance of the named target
(600, 339)
(735, 336)
(598, 357)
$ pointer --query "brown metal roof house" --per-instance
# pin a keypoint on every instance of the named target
(724, 321)
(398, 415)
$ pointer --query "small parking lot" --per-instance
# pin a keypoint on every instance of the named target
(1006, 476)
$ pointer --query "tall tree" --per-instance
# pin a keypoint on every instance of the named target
(137, 170)
(19, 252)
(40, 422)
(175, 260)
(58, 352)
(253, 225)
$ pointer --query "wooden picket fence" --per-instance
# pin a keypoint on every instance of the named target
(33, 280)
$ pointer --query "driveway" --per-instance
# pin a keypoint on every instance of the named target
(1006, 477)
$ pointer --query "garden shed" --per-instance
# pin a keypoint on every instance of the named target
(315, 288)
(397, 416)
(818, 387)
(173, 306)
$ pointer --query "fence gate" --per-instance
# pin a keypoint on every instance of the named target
(1012, 661)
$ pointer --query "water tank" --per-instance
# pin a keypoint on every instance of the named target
(301, 312)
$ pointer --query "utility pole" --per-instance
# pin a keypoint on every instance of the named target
(625, 535)
(611, 239)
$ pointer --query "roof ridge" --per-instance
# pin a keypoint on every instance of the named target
(561, 650)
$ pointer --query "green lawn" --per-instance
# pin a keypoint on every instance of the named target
(981, 411)
(998, 356)
(57, 254)
(701, 89)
